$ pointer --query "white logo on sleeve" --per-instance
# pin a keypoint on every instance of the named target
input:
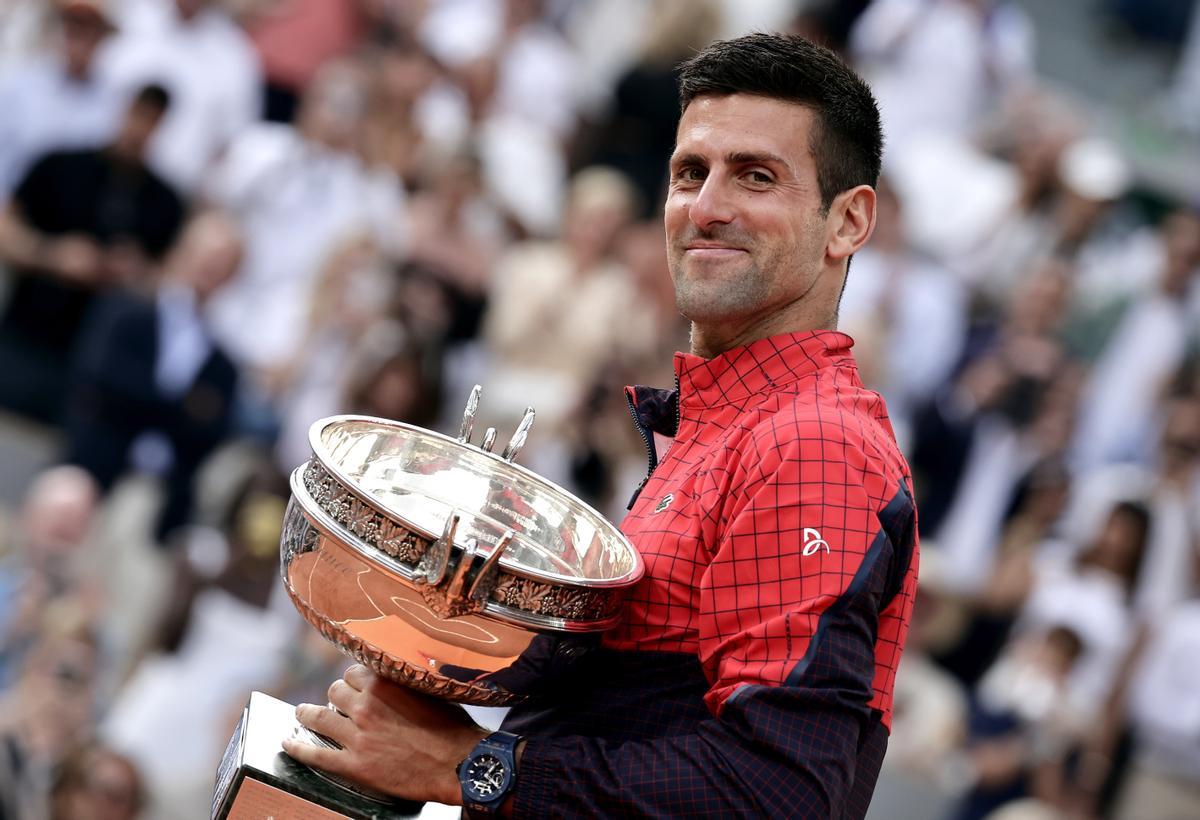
(813, 542)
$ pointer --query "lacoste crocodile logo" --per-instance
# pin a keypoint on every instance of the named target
(813, 542)
(666, 502)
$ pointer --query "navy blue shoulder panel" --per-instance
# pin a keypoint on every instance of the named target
(841, 652)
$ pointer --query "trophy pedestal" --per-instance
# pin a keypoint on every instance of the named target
(258, 781)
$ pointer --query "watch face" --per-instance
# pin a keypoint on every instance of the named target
(486, 777)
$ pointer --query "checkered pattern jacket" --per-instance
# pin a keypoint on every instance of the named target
(753, 673)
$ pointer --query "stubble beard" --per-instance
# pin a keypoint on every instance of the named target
(713, 297)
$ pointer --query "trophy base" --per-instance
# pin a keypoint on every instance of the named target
(257, 780)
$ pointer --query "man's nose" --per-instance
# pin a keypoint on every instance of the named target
(713, 204)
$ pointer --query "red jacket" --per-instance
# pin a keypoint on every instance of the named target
(753, 672)
(763, 510)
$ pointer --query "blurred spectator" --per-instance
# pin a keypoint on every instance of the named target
(294, 38)
(44, 574)
(415, 116)
(1141, 354)
(1164, 781)
(393, 380)
(1167, 485)
(457, 230)
(1062, 216)
(1092, 593)
(937, 65)
(558, 308)
(531, 68)
(78, 222)
(929, 725)
(520, 82)
(906, 313)
(607, 457)
(1037, 506)
(1022, 723)
(829, 22)
(351, 296)
(297, 193)
(639, 132)
(48, 712)
(96, 783)
(151, 388)
(983, 431)
(58, 100)
(208, 65)
(228, 630)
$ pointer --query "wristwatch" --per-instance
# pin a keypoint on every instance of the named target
(488, 773)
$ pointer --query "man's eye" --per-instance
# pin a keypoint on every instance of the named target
(690, 174)
(759, 177)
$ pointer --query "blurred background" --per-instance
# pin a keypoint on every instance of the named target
(223, 220)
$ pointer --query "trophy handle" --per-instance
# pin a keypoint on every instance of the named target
(450, 598)
(432, 568)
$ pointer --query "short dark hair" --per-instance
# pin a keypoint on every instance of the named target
(847, 142)
(153, 96)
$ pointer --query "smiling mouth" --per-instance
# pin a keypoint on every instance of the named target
(712, 251)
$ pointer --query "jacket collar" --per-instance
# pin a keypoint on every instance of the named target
(761, 366)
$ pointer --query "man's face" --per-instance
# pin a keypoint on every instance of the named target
(745, 230)
(82, 34)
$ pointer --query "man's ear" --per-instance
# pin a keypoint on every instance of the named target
(851, 222)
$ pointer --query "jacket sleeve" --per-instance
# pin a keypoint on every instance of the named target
(790, 604)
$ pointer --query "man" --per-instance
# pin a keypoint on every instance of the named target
(58, 99)
(752, 674)
(150, 388)
(202, 56)
(297, 192)
(79, 221)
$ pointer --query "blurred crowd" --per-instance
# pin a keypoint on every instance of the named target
(221, 221)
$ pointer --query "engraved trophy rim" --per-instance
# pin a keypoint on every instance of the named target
(322, 456)
(329, 527)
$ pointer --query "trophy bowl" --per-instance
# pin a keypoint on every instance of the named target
(444, 566)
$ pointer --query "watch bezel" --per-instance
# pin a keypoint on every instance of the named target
(501, 747)
(469, 782)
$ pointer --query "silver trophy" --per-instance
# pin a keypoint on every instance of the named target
(440, 565)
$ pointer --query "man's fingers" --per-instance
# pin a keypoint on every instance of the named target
(344, 697)
(358, 676)
(319, 757)
(325, 721)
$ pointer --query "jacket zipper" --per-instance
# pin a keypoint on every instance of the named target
(647, 439)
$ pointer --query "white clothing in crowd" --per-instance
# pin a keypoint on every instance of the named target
(45, 109)
(1092, 603)
(918, 311)
(1120, 402)
(209, 67)
(22, 24)
(1165, 698)
(295, 200)
(966, 540)
(176, 713)
(938, 65)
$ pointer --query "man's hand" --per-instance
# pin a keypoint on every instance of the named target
(394, 740)
(75, 258)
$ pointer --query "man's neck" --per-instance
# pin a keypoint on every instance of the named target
(711, 340)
